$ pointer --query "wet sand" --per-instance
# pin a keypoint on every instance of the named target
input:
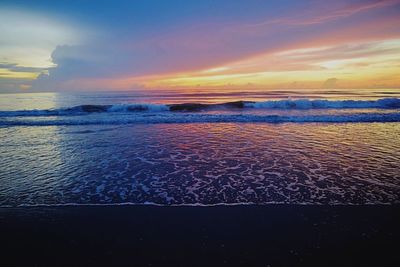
(271, 235)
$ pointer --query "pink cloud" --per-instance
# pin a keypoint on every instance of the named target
(199, 46)
(329, 14)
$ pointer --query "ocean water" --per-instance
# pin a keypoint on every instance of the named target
(200, 148)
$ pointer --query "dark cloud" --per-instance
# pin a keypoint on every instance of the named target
(16, 68)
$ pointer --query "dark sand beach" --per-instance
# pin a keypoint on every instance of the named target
(270, 235)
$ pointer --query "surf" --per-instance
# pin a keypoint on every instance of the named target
(298, 104)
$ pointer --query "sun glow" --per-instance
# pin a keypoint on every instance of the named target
(359, 65)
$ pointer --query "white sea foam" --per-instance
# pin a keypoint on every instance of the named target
(209, 164)
(324, 104)
(108, 119)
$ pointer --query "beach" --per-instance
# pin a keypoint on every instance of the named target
(272, 235)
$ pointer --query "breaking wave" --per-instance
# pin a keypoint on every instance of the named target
(84, 110)
(300, 104)
(239, 111)
(384, 103)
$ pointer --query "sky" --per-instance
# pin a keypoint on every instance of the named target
(62, 46)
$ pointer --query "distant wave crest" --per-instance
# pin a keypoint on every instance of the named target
(304, 104)
(385, 103)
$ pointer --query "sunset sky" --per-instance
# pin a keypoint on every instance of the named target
(211, 44)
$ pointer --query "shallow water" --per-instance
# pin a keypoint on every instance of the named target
(129, 147)
(201, 164)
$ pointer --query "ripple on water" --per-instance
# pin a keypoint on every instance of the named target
(203, 164)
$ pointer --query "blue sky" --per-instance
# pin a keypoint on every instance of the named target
(144, 45)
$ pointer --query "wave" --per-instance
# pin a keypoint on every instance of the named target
(302, 104)
(84, 110)
(203, 118)
(384, 103)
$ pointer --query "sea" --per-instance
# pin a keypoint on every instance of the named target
(200, 148)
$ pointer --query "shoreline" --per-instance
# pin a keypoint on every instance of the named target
(146, 204)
